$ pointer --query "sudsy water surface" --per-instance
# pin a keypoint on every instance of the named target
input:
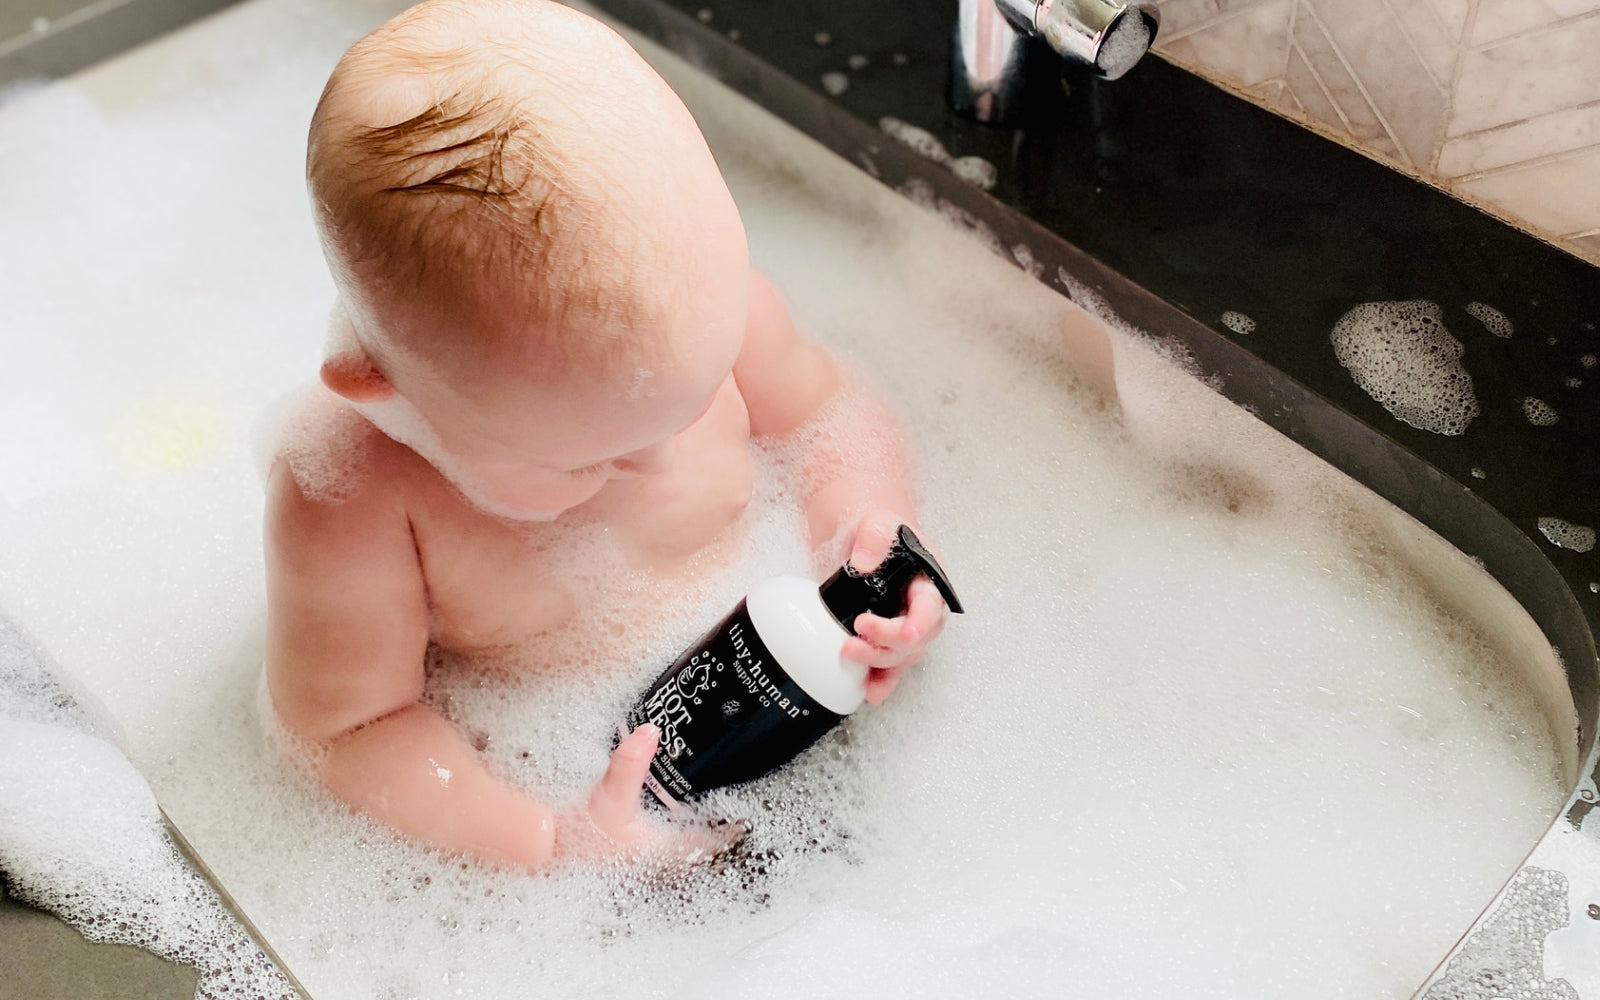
(1201, 733)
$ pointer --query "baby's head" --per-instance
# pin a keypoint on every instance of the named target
(542, 276)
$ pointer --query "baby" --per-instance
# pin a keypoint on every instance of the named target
(545, 306)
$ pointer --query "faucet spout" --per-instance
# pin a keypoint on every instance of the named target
(990, 46)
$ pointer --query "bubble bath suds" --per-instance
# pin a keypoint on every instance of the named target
(1201, 733)
(1577, 537)
(975, 170)
(1492, 319)
(1402, 355)
(81, 835)
(1539, 413)
(1238, 322)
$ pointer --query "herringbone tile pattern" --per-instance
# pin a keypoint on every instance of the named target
(1496, 100)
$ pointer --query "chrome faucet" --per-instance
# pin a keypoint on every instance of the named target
(992, 41)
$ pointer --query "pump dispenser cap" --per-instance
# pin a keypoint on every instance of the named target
(850, 592)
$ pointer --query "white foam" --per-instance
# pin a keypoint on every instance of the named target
(1125, 46)
(1095, 304)
(835, 83)
(1031, 265)
(1539, 413)
(322, 439)
(32, 690)
(81, 835)
(1577, 537)
(1402, 355)
(975, 170)
(1078, 798)
(1238, 322)
(1492, 319)
(921, 192)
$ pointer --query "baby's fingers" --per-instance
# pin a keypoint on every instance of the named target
(881, 684)
(865, 653)
(875, 535)
(879, 657)
(922, 621)
(925, 612)
(882, 634)
(615, 800)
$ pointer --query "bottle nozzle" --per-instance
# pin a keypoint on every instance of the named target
(850, 592)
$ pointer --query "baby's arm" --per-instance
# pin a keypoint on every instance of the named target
(347, 628)
(785, 379)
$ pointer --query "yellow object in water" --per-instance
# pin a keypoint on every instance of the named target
(167, 434)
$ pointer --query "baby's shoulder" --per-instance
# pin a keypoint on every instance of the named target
(326, 463)
(337, 526)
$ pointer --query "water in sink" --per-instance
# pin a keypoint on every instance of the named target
(1207, 730)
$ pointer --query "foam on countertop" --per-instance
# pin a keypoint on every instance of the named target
(1563, 533)
(1492, 319)
(1404, 357)
(1539, 413)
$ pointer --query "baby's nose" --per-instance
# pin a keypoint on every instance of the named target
(646, 461)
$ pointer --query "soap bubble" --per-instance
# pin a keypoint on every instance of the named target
(1563, 533)
(1238, 322)
(1402, 355)
(1492, 319)
(1539, 413)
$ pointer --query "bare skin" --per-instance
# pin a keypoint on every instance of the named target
(358, 589)
(440, 540)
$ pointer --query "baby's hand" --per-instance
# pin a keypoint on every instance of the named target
(889, 645)
(615, 823)
(614, 807)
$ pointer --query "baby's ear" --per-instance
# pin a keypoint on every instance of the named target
(352, 374)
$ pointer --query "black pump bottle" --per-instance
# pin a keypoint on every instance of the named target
(768, 680)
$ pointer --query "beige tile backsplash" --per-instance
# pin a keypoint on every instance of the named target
(1497, 101)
